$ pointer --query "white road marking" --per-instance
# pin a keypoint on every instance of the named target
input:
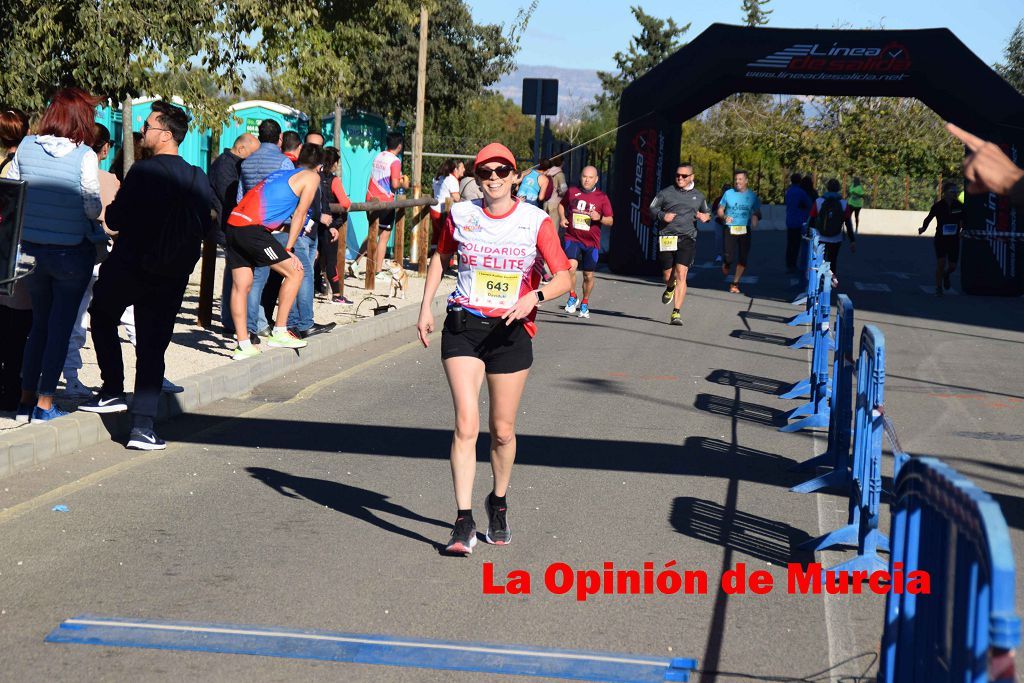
(872, 287)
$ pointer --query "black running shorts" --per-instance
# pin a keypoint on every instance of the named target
(682, 255)
(947, 247)
(252, 246)
(386, 218)
(503, 349)
(737, 247)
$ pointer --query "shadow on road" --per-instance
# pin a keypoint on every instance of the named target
(741, 380)
(757, 537)
(350, 500)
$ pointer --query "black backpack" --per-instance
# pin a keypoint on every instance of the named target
(829, 221)
(176, 245)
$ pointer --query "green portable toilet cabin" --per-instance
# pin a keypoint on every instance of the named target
(362, 139)
(111, 118)
(195, 149)
(246, 117)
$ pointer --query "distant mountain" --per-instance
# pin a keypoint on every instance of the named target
(576, 87)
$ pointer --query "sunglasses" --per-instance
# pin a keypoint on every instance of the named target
(146, 127)
(684, 175)
(501, 171)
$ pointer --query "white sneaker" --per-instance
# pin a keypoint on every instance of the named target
(73, 388)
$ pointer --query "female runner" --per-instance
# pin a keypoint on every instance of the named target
(489, 327)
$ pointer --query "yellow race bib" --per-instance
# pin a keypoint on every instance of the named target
(495, 289)
(581, 221)
(737, 230)
(668, 242)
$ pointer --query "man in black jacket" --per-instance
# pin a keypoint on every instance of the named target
(161, 214)
(225, 174)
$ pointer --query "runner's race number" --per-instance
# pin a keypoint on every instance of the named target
(737, 230)
(668, 242)
(581, 221)
(495, 289)
(949, 229)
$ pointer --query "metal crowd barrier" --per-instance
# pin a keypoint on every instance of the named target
(816, 412)
(966, 628)
(866, 473)
(837, 455)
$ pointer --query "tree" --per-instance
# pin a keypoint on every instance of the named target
(119, 49)
(658, 38)
(1013, 68)
(463, 58)
(754, 12)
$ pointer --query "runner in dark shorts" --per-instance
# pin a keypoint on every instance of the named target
(949, 215)
(678, 208)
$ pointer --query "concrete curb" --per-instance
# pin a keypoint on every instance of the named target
(38, 443)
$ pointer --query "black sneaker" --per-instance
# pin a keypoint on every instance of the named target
(945, 281)
(145, 440)
(254, 339)
(320, 328)
(463, 537)
(105, 404)
(498, 531)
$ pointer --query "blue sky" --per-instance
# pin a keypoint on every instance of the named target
(585, 35)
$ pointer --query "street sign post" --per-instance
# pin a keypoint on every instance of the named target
(540, 98)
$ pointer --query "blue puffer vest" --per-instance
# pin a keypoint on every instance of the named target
(54, 212)
(261, 163)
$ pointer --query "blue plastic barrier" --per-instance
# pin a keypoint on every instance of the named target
(837, 455)
(821, 307)
(866, 479)
(816, 412)
(966, 629)
(815, 257)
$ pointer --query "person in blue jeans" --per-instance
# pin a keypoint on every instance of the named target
(62, 203)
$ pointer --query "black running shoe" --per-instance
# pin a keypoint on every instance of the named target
(145, 440)
(945, 280)
(498, 531)
(105, 404)
(463, 537)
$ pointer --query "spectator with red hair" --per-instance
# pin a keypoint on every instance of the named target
(16, 309)
(61, 231)
(13, 129)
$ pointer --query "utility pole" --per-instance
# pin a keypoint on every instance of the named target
(422, 241)
(127, 141)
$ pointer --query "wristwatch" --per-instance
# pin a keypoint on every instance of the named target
(540, 295)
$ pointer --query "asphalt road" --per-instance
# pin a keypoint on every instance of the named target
(319, 501)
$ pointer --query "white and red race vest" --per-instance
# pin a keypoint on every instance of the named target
(380, 178)
(498, 256)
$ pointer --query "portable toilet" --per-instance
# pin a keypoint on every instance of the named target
(362, 139)
(111, 118)
(195, 149)
(246, 117)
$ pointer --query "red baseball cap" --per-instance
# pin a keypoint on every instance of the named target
(495, 152)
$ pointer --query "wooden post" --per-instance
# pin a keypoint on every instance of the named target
(874, 192)
(369, 277)
(128, 141)
(938, 189)
(342, 256)
(423, 227)
(207, 275)
(399, 255)
(906, 193)
(423, 233)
